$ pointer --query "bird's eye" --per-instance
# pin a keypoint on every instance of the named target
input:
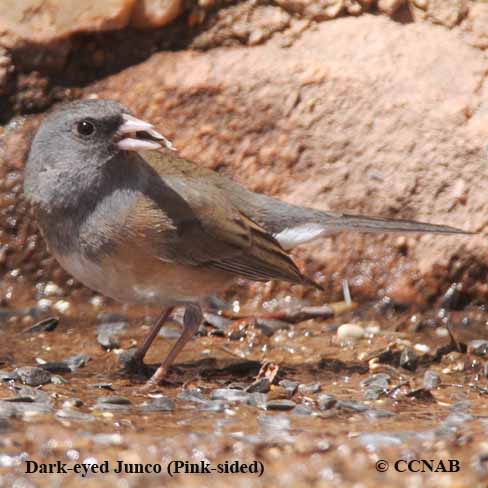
(85, 128)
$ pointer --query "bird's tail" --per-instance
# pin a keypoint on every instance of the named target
(378, 224)
(292, 225)
(323, 223)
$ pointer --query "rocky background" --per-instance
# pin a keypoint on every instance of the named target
(375, 107)
(370, 106)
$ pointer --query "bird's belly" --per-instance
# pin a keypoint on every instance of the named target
(143, 281)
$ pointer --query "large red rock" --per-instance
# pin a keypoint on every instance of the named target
(48, 21)
(361, 114)
(43, 21)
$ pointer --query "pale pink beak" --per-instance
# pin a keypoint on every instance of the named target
(130, 127)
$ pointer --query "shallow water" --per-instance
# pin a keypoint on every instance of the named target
(319, 442)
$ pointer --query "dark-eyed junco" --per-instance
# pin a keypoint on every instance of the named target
(128, 217)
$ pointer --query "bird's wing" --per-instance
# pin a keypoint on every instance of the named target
(188, 220)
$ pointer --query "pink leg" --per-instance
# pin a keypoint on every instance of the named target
(136, 363)
(191, 321)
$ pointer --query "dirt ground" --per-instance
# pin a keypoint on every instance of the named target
(340, 405)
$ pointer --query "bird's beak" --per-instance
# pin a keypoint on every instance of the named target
(137, 135)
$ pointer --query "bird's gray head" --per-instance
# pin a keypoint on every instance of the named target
(74, 146)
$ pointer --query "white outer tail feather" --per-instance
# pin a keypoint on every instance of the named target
(294, 236)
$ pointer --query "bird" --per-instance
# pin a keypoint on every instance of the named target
(128, 217)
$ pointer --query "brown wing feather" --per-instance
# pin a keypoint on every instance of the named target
(206, 230)
(263, 259)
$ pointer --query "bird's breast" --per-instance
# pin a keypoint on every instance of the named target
(140, 279)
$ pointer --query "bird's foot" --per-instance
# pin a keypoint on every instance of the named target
(155, 380)
(133, 363)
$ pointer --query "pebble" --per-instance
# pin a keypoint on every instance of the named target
(422, 348)
(102, 386)
(44, 304)
(478, 347)
(326, 401)
(58, 380)
(373, 393)
(461, 406)
(46, 325)
(68, 414)
(56, 367)
(72, 403)
(408, 359)
(376, 386)
(349, 332)
(229, 395)
(211, 406)
(112, 327)
(114, 400)
(480, 463)
(33, 376)
(35, 408)
(258, 400)
(280, 404)
(158, 404)
(378, 414)
(259, 386)
(454, 423)
(431, 380)
(112, 403)
(269, 326)
(309, 389)
(19, 399)
(126, 357)
(302, 410)
(108, 341)
(217, 321)
(77, 361)
(28, 393)
(7, 375)
(380, 379)
(289, 386)
(62, 306)
(169, 332)
(421, 394)
(110, 407)
(312, 312)
(351, 406)
(53, 290)
(451, 298)
(194, 395)
(114, 439)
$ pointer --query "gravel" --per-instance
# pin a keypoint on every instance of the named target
(33, 376)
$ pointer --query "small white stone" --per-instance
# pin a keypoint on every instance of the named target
(53, 290)
(62, 306)
(44, 303)
(372, 329)
(349, 332)
(97, 301)
(422, 348)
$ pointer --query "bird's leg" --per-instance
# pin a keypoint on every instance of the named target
(136, 362)
(191, 320)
